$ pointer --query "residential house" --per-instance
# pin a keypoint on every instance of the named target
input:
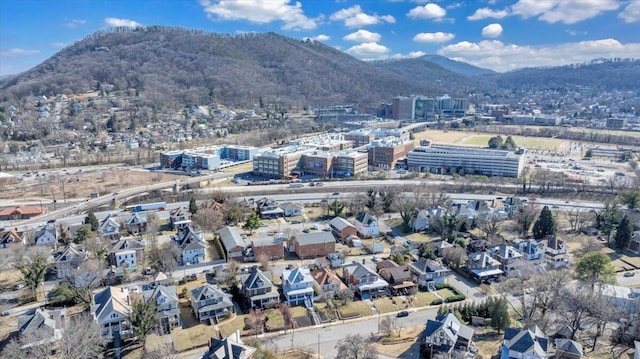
(46, 235)
(109, 228)
(231, 347)
(297, 286)
(233, 241)
(258, 289)
(68, 260)
(366, 225)
(43, 326)
(110, 307)
(464, 211)
(556, 252)
(634, 245)
(477, 246)
(506, 255)
(269, 209)
(399, 278)
(420, 220)
(625, 298)
(128, 252)
(321, 262)
(363, 281)
(402, 250)
(440, 246)
(482, 266)
(530, 249)
(165, 299)
(314, 244)
(9, 237)
(327, 284)
(20, 212)
(342, 228)
(336, 259)
(524, 344)
(271, 248)
(428, 273)
(292, 209)
(192, 246)
(136, 223)
(568, 349)
(209, 302)
(446, 336)
(179, 218)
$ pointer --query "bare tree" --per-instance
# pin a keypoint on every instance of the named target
(490, 225)
(455, 257)
(32, 264)
(386, 326)
(574, 306)
(285, 310)
(576, 218)
(165, 258)
(525, 216)
(89, 275)
(209, 219)
(355, 346)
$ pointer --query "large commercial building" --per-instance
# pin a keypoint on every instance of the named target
(386, 152)
(207, 158)
(364, 136)
(441, 159)
(536, 120)
(422, 108)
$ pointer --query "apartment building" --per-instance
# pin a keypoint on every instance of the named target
(442, 159)
(207, 158)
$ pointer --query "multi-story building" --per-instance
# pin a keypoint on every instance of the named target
(279, 163)
(207, 158)
(111, 307)
(312, 245)
(270, 248)
(297, 286)
(444, 159)
(209, 302)
(258, 289)
(537, 120)
(403, 108)
(386, 152)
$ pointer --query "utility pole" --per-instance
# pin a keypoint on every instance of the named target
(318, 345)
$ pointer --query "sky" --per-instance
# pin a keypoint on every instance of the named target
(501, 35)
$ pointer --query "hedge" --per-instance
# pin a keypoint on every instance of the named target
(436, 301)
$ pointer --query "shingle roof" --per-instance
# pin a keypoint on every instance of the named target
(108, 300)
(569, 346)
(365, 218)
(126, 243)
(255, 277)
(231, 347)
(231, 238)
(525, 340)
(315, 238)
(68, 254)
(340, 223)
(425, 265)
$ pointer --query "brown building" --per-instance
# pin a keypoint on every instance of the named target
(359, 138)
(316, 244)
(342, 228)
(270, 248)
(21, 212)
(385, 153)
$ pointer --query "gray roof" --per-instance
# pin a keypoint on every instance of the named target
(569, 346)
(315, 238)
(126, 243)
(521, 341)
(35, 320)
(255, 278)
(425, 265)
(451, 327)
(365, 218)
(231, 238)
(231, 347)
(340, 223)
(167, 291)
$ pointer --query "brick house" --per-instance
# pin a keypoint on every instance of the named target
(342, 228)
(316, 244)
(270, 248)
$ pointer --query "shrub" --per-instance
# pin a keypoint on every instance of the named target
(455, 298)
(436, 301)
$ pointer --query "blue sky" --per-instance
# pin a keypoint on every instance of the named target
(497, 34)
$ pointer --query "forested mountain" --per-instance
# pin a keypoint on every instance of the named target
(600, 74)
(458, 67)
(175, 65)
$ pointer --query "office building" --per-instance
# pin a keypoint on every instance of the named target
(386, 152)
(442, 159)
(207, 158)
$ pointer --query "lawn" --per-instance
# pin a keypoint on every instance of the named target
(229, 327)
(488, 342)
(324, 311)
(445, 293)
(423, 299)
(635, 261)
(274, 318)
(196, 336)
(298, 311)
(359, 307)
(387, 305)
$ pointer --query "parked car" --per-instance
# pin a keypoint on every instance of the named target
(19, 286)
(403, 313)
(336, 193)
(629, 274)
(147, 271)
(5, 313)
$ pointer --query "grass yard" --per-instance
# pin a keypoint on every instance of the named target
(482, 139)
(488, 342)
(446, 137)
(324, 309)
(387, 305)
(634, 261)
(423, 299)
(359, 307)
(229, 327)
(401, 350)
(274, 318)
(199, 335)
(298, 311)
(445, 293)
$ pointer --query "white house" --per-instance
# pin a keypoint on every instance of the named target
(110, 308)
(292, 209)
(192, 246)
(335, 259)
(209, 302)
(524, 344)
(46, 235)
(366, 225)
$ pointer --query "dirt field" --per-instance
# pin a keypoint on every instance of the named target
(479, 139)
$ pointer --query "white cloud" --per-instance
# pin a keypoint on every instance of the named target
(260, 12)
(321, 38)
(73, 23)
(492, 30)
(355, 17)
(498, 56)
(363, 36)
(410, 55)
(113, 22)
(19, 52)
(368, 49)
(433, 37)
(429, 11)
(566, 11)
(631, 13)
(486, 13)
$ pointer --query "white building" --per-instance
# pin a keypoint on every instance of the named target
(454, 159)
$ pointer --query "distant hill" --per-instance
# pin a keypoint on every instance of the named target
(178, 66)
(458, 67)
(602, 74)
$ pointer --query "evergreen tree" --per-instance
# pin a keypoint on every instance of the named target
(509, 144)
(595, 267)
(143, 318)
(496, 142)
(545, 225)
(500, 316)
(253, 222)
(92, 220)
(623, 234)
(193, 206)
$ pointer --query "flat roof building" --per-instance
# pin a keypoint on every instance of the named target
(441, 159)
(386, 152)
(207, 158)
